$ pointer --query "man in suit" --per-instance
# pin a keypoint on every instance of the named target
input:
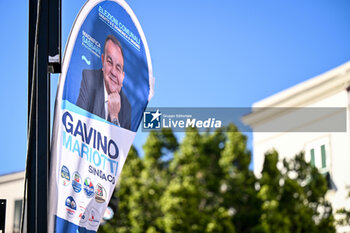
(101, 90)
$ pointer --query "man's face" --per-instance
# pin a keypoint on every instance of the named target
(112, 67)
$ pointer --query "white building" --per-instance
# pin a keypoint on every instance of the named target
(11, 189)
(289, 129)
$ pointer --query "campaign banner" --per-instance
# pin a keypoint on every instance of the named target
(105, 86)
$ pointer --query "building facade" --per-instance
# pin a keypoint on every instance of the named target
(12, 190)
(313, 117)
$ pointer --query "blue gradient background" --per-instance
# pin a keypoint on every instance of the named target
(226, 53)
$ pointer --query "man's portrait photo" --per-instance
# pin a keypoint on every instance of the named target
(101, 91)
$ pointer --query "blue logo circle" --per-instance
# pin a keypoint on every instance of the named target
(88, 187)
(76, 182)
(65, 175)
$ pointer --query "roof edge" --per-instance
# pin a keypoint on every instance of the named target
(330, 79)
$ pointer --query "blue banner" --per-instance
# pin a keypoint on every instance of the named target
(104, 88)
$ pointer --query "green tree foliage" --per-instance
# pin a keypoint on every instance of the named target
(238, 186)
(191, 202)
(293, 197)
(343, 215)
(205, 185)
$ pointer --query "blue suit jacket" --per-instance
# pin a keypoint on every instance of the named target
(91, 97)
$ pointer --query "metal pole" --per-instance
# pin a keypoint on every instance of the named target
(30, 199)
(39, 120)
(44, 45)
(42, 144)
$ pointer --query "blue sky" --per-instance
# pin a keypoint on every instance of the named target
(204, 53)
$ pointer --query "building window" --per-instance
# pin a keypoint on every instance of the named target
(312, 153)
(323, 154)
(17, 216)
(318, 154)
(2, 215)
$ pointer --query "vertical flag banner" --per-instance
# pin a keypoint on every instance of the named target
(105, 86)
